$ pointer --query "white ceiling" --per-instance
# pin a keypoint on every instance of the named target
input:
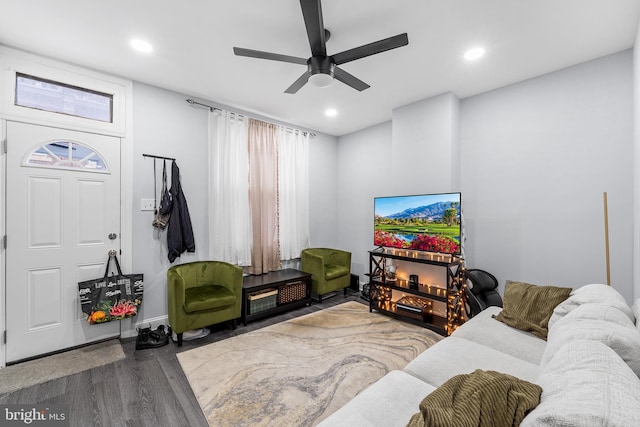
(193, 43)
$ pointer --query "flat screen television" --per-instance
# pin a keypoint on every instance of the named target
(428, 222)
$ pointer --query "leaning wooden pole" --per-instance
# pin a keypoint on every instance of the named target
(606, 238)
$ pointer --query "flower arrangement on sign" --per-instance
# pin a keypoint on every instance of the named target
(436, 243)
(107, 311)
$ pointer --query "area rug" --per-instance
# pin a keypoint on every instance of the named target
(38, 371)
(298, 372)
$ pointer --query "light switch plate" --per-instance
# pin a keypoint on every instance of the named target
(146, 204)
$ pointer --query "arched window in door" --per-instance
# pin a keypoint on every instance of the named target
(66, 155)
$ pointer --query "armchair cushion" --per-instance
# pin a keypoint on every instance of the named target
(207, 297)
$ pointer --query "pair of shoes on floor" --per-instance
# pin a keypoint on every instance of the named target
(148, 338)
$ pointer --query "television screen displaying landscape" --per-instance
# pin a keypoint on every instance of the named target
(429, 222)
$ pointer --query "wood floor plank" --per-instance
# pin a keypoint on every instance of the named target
(108, 386)
(80, 395)
(185, 399)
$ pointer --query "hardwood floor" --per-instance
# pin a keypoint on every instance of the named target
(148, 387)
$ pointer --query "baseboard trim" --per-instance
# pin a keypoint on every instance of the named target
(152, 322)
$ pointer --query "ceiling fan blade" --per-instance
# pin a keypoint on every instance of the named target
(312, 13)
(239, 51)
(371, 49)
(348, 79)
(302, 80)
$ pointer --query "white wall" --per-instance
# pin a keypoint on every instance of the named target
(636, 163)
(425, 142)
(323, 182)
(536, 159)
(165, 125)
(363, 173)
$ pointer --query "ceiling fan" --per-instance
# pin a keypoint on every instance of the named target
(323, 68)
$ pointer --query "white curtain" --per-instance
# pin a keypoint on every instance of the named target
(293, 191)
(229, 218)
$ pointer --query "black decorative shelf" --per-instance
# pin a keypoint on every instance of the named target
(382, 296)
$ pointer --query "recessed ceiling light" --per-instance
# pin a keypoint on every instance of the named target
(473, 54)
(141, 46)
(330, 112)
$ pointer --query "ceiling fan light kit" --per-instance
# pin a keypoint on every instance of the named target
(322, 69)
(321, 79)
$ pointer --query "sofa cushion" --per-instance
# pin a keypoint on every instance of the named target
(207, 297)
(586, 384)
(619, 334)
(592, 293)
(528, 307)
(333, 271)
(388, 402)
(484, 329)
(454, 356)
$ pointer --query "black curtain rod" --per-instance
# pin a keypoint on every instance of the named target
(158, 157)
(193, 102)
(211, 108)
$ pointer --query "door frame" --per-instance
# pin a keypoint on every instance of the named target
(12, 61)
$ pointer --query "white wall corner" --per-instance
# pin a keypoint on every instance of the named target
(636, 166)
(425, 145)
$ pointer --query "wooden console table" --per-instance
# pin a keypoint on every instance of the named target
(292, 289)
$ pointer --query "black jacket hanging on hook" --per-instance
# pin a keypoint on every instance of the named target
(179, 232)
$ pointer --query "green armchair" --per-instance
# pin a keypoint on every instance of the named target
(330, 269)
(203, 293)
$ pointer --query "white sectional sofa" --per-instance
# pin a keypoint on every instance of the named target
(588, 368)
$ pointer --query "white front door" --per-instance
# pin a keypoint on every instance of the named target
(63, 217)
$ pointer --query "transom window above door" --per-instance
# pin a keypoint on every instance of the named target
(56, 97)
(66, 155)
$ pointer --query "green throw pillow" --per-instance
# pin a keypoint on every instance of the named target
(528, 307)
